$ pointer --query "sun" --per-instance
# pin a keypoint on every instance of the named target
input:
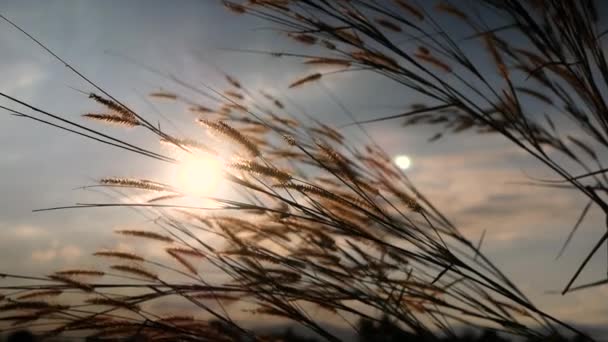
(199, 175)
(403, 162)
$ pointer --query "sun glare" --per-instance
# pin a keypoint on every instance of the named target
(403, 162)
(199, 175)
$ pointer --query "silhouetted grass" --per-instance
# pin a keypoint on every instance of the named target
(324, 227)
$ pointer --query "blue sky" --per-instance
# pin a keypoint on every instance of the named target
(467, 176)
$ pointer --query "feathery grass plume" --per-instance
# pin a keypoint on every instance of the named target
(310, 78)
(278, 276)
(226, 299)
(31, 305)
(68, 280)
(252, 254)
(380, 166)
(197, 217)
(233, 81)
(234, 7)
(348, 36)
(343, 164)
(225, 130)
(234, 94)
(181, 260)
(80, 272)
(289, 139)
(254, 167)
(273, 99)
(120, 333)
(145, 234)
(164, 95)
(377, 59)
(328, 61)
(243, 182)
(323, 257)
(113, 119)
(186, 251)
(424, 50)
(410, 9)
(303, 38)
(329, 133)
(404, 197)
(355, 15)
(135, 270)
(164, 198)
(490, 42)
(113, 106)
(364, 185)
(313, 190)
(282, 5)
(291, 123)
(22, 319)
(200, 109)
(190, 144)
(112, 302)
(287, 154)
(234, 223)
(119, 255)
(257, 129)
(433, 61)
(328, 45)
(134, 183)
(176, 319)
(236, 106)
(266, 310)
(388, 24)
(40, 293)
(449, 9)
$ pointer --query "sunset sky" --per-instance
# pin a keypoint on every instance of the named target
(470, 178)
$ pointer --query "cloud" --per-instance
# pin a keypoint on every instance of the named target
(28, 232)
(20, 78)
(55, 252)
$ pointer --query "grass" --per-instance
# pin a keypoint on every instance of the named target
(326, 225)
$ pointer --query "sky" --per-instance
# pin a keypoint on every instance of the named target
(469, 177)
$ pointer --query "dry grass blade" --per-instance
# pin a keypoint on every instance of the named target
(135, 270)
(113, 119)
(178, 255)
(256, 168)
(307, 79)
(115, 303)
(328, 62)
(434, 61)
(164, 95)
(80, 272)
(31, 305)
(40, 293)
(388, 25)
(145, 234)
(113, 106)
(71, 282)
(119, 255)
(410, 9)
(134, 183)
(231, 133)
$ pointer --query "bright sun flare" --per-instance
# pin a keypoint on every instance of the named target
(199, 175)
(403, 162)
